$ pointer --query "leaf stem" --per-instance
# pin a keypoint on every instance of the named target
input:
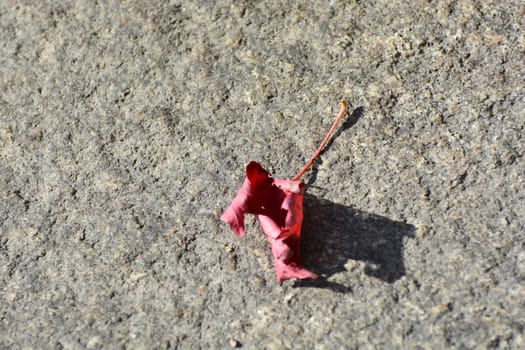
(342, 112)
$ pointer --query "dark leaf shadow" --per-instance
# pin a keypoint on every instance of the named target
(333, 233)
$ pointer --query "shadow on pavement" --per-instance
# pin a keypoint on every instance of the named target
(333, 233)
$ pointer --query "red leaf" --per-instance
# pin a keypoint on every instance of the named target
(278, 206)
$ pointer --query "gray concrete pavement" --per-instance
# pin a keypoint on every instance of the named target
(125, 127)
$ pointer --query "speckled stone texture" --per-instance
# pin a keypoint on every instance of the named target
(125, 127)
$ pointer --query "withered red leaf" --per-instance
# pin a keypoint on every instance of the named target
(278, 206)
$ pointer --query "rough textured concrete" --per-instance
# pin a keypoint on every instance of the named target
(125, 128)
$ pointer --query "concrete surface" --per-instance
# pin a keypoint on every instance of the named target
(124, 131)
